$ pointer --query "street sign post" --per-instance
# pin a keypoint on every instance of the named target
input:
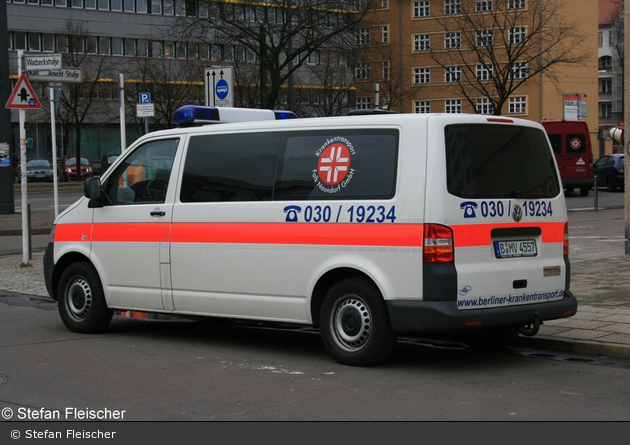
(219, 86)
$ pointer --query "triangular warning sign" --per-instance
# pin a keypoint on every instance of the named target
(23, 95)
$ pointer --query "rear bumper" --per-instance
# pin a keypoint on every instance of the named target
(410, 316)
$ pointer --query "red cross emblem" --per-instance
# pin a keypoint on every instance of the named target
(575, 143)
(334, 164)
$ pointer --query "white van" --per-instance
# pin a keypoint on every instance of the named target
(363, 226)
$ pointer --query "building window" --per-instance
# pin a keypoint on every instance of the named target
(518, 71)
(516, 4)
(518, 105)
(385, 34)
(452, 6)
(116, 5)
(77, 4)
(421, 42)
(103, 5)
(421, 106)
(452, 40)
(117, 46)
(517, 35)
(362, 36)
(421, 75)
(605, 110)
(385, 74)
(484, 72)
(130, 47)
(34, 43)
(129, 6)
(363, 71)
(156, 7)
(483, 5)
(364, 103)
(453, 74)
(91, 45)
(484, 106)
(48, 42)
(90, 4)
(484, 38)
(605, 85)
(420, 9)
(453, 106)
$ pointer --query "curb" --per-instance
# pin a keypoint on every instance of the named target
(576, 346)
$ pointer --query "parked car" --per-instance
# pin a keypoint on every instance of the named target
(609, 170)
(69, 168)
(108, 160)
(39, 170)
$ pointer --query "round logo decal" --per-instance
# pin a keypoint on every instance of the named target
(575, 143)
(517, 213)
(333, 170)
(334, 164)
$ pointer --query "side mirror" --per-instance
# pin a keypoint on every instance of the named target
(92, 190)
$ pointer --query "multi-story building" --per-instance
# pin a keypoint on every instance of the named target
(138, 38)
(611, 91)
(443, 56)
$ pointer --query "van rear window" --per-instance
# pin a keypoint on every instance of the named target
(488, 161)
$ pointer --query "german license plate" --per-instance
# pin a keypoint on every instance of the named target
(512, 249)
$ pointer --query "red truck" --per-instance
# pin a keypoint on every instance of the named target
(571, 143)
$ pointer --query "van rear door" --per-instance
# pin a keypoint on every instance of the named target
(504, 204)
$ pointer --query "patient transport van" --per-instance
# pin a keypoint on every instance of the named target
(366, 227)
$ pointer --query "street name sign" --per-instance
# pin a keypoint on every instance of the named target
(73, 75)
(39, 62)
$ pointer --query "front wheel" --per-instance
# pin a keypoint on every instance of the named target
(355, 325)
(584, 191)
(81, 299)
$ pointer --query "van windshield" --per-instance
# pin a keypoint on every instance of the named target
(487, 161)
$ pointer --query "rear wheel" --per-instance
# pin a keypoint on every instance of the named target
(355, 325)
(81, 299)
(584, 191)
(610, 185)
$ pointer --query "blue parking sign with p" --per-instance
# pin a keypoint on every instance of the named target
(145, 98)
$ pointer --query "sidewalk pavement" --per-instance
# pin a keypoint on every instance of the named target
(600, 279)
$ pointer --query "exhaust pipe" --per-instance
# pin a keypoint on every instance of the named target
(530, 329)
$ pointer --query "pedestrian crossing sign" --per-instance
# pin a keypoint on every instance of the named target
(23, 95)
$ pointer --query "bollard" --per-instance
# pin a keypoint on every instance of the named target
(595, 187)
(30, 239)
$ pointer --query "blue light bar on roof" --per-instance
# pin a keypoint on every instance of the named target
(197, 115)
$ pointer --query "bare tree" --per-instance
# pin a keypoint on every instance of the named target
(490, 53)
(617, 33)
(171, 83)
(329, 83)
(277, 34)
(81, 103)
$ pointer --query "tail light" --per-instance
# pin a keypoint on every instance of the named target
(621, 169)
(566, 239)
(438, 244)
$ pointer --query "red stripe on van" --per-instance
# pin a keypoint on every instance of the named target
(73, 232)
(395, 235)
(471, 235)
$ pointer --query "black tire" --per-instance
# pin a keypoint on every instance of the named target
(355, 325)
(610, 186)
(81, 299)
(569, 189)
(584, 191)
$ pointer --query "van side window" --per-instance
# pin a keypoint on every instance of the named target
(499, 161)
(144, 176)
(556, 142)
(230, 167)
(576, 143)
(343, 164)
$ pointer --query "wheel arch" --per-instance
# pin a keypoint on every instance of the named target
(62, 264)
(329, 279)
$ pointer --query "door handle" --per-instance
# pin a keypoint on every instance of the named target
(158, 213)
